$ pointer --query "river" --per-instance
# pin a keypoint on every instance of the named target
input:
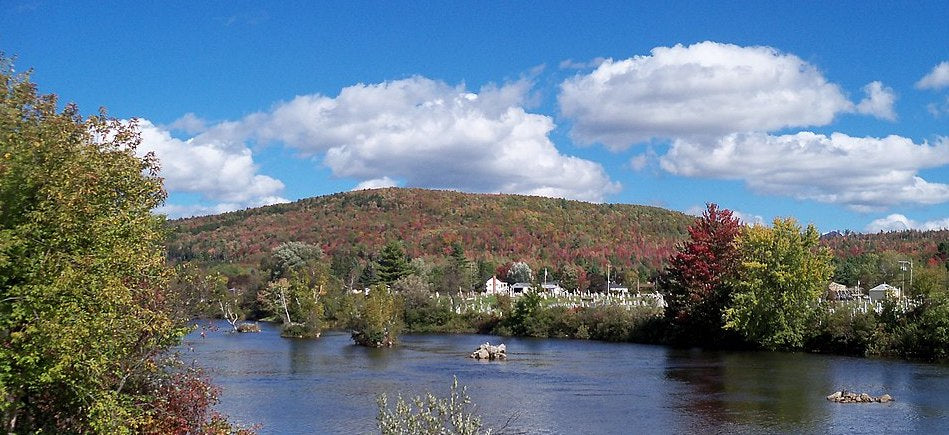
(551, 386)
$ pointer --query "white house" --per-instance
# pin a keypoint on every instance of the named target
(883, 291)
(495, 286)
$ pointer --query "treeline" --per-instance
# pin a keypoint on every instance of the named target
(728, 285)
(298, 284)
(762, 286)
(354, 226)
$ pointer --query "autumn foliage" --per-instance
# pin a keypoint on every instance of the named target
(694, 283)
(544, 232)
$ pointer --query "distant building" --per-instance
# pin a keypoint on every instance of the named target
(520, 287)
(552, 287)
(495, 286)
(840, 292)
(883, 291)
(618, 288)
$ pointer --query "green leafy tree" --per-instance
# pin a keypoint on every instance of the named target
(524, 316)
(380, 320)
(781, 274)
(206, 294)
(84, 301)
(459, 274)
(297, 300)
(289, 256)
(520, 272)
(928, 281)
(569, 279)
(392, 263)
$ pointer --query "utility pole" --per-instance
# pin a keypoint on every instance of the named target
(608, 278)
(903, 265)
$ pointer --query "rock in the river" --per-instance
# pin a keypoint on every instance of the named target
(248, 327)
(489, 352)
(851, 397)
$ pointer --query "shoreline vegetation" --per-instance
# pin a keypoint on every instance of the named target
(728, 286)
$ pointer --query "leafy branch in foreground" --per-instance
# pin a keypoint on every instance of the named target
(86, 314)
(430, 414)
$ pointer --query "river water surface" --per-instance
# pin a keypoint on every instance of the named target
(329, 385)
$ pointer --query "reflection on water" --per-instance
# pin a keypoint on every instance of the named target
(729, 390)
(566, 386)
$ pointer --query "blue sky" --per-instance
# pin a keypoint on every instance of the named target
(832, 112)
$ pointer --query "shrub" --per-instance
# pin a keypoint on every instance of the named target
(430, 414)
(380, 320)
(843, 332)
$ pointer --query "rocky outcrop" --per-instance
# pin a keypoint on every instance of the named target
(851, 397)
(489, 352)
(248, 327)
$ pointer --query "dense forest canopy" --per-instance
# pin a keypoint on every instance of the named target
(538, 230)
(543, 232)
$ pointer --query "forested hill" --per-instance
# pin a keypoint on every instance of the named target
(542, 231)
(921, 245)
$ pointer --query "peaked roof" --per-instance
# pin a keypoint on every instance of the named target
(884, 286)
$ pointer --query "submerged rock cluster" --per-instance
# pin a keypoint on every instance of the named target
(851, 397)
(489, 352)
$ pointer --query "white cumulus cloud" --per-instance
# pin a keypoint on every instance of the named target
(707, 88)
(863, 173)
(189, 123)
(376, 183)
(879, 102)
(899, 222)
(219, 172)
(427, 133)
(938, 78)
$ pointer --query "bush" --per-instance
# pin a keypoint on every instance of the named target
(926, 335)
(380, 320)
(299, 330)
(843, 332)
(583, 333)
(522, 320)
(430, 414)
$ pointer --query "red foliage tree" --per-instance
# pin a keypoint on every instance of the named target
(694, 283)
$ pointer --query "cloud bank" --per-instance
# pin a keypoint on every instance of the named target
(862, 173)
(702, 89)
(220, 172)
(717, 103)
(428, 134)
(898, 222)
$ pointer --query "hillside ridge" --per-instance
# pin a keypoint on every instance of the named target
(500, 227)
